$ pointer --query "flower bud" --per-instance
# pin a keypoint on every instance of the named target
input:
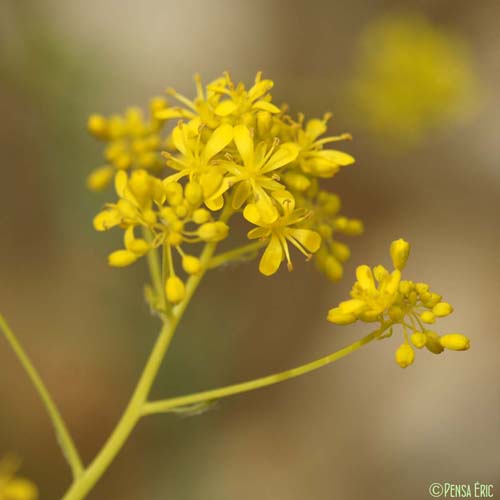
(201, 215)
(333, 268)
(428, 317)
(296, 181)
(121, 258)
(191, 264)
(404, 355)
(97, 125)
(141, 186)
(174, 289)
(193, 193)
(337, 316)
(100, 178)
(396, 313)
(442, 309)
(432, 343)
(400, 250)
(418, 339)
(455, 342)
(213, 231)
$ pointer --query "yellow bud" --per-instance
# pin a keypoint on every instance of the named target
(380, 273)
(157, 103)
(431, 299)
(173, 190)
(121, 258)
(100, 178)
(149, 217)
(98, 126)
(405, 287)
(422, 288)
(333, 268)
(191, 264)
(174, 290)
(419, 339)
(340, 251)
(201, 215)
(396, 313)
(354, 227)
(337, 316)
(123, 161)
(455, 342)
(404, 355)
(193, 193)
(428, 317)
(296, 181)
(213, 231)
(174, 239)
(181, 211)
(442, 309)
(433, 344)
(400, 250)
(141, 186)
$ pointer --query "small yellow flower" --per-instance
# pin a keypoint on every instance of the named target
(381, 296)
(255, 176)
(276, 223)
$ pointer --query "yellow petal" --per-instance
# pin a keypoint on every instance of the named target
(241, 194)
(121, 180)
(315, 128)
(225, 108)
(310, 240)
(365, 277)
(271, 258)
(266, 106)
(252, 214)
(244, 142)
(219, 139)
(285, 154)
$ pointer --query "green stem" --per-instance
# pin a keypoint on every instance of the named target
(235, 254)
(154, 266)
(169, 404)
(63, 436)
(134, 410)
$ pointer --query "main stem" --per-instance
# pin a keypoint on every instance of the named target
(83, 484)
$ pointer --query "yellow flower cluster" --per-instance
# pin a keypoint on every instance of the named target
(229, 150)
(411, 76)
(381, 296)
(132, 142)
(13, 487)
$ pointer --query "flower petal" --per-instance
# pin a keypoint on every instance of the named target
(244, 142)
(241, 194)
(271, 258)
(219, 139)
(285, 154)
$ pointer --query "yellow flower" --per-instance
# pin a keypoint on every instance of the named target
(312, 158)
(13, 487)
(276, 223)
(196, 160)
(133, 143)
(255, 175)
(380, 295)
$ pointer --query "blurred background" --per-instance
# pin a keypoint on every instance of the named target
(359, 429)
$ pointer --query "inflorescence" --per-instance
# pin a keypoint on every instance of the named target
(228, 150)
(381, 296)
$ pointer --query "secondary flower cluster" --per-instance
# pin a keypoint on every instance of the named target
(381, 296)
(229, 150)
(413, 73)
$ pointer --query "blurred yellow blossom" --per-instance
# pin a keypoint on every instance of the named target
(13, 487)
(381, 296)
(410, 77)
